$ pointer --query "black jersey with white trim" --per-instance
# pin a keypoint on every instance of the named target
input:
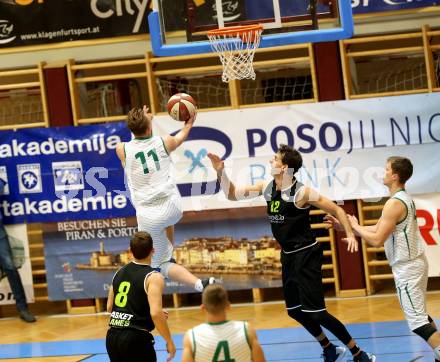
(130, 302)
(290, 223)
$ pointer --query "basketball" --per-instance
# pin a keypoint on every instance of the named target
(181, 107)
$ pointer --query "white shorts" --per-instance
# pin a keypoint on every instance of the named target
(154, 220)
(411, 280)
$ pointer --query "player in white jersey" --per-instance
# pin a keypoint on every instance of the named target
(154, 194)
(398, 232)
(220, 339)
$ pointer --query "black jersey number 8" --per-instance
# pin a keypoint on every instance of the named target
(121, 297)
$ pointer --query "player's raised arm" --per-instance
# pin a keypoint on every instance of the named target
(120, 152)
(172, 142)
(393, 212)
(334, 222)
(312, 197)
(233, 193)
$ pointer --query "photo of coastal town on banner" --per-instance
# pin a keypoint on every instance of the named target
(82, 256)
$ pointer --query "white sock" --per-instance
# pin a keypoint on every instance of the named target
(198, 286)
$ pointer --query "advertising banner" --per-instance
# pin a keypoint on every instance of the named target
(344, 146)
(376, 6)
(18, 240)
(428, 217)
(32, 22)
(73, 173)
(63, 173)
(81, 257)
(28, 22)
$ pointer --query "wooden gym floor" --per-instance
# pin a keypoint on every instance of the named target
(376, 322)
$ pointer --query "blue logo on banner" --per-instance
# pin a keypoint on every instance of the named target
(204, 134)
(196, 159)
(68, 175)
(29, 180)
(4, 184)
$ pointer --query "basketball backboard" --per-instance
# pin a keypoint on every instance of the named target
(285, 22)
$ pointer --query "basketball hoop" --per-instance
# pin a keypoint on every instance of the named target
(236, 47)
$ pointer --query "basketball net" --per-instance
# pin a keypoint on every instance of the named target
(236, 47)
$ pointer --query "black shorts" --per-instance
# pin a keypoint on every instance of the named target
(302, 279)
(127, 345)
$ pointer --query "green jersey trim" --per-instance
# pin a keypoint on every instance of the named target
(143, 138)
(194, 343)
(246, 335)
(406, 207)
(410, 300)
(217, 323)
(407, 241)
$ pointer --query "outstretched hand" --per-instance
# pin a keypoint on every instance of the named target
(217, 162)
(191, 119)
(352, 244)
(330, 220)
(353, 221)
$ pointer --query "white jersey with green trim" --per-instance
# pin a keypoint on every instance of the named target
(405, 243)
(225, 341)
(148, 170)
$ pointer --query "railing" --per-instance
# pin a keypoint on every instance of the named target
(289, 70)
(23, 98)
(104, 95)
(389, 65)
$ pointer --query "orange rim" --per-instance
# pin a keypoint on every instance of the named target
(236, 30)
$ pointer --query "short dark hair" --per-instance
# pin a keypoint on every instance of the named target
(401, 166)
(215, 298)
(141, 244)
(290, 157)
(137, 122)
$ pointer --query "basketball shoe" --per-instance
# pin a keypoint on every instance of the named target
(208, 281)
(334, 353)
(364, 357)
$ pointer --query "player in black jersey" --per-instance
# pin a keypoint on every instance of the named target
(135, 304)
(288, 203)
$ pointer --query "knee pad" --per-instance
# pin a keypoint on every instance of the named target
(425, 331)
